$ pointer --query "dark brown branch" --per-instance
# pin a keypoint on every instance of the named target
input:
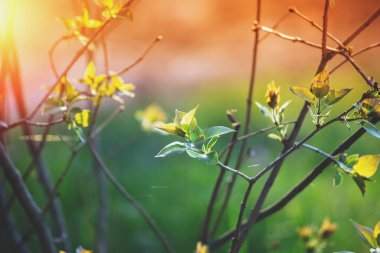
(31, 123)
(355, 54)
(289, 147)
(206, 224)
(362, 27)
(152, 224)
(296, 190)
(311, 177)
(23, 195)
(368, 80)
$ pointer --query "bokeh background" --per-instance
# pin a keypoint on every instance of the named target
(204, 59)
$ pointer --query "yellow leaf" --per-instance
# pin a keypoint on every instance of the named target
(272, 95)
(366, 234)
(150, 117)
(171, 128)
(201, 248)
(376, 232)
(366, 166)
(320, 84)
(327, 228)
(303, 93)
(89, 73)
(82, 118)
(188, 121)
(336, 95)
(107, 3)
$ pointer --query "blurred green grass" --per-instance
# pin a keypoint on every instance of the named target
(176, 190)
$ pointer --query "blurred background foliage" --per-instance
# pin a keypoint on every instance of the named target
(206, 63)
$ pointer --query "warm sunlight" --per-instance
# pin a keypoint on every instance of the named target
(7, 10)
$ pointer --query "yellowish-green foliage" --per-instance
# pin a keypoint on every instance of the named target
(197, 143)
(275, 112)
(315, 239)
(201, 248)
(320, 96)
(151, 117)
(370, 236)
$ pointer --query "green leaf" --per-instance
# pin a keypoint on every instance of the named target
(366, 166)
(263, 110)
(188, 121)
(196, 135)
(212, 142)
(365, 233)
(303, 93)
(78, 130)
(275, 137)
(360, 183)
(209, 158)
(370, 128)
(54, 105)
(352, 159)
(338, 179)
(282, 108)
(335, 95)
(217, 131)
(172, 148)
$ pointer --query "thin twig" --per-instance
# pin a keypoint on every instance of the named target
(314, 24)
(292, 38)
(362, 27)
(206, 224)
(138, 60)
(275, 26)
(288, 147)
(30, 123)
(367, 79)
(30, 207)
(152, 224)
(353, 55)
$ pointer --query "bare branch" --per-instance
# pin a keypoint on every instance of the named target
(355, 54)
(138, 60)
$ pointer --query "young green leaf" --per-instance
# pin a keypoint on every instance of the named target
(172, 148)
(366, 166)
(189, 121)
(370, 128)
(209, 158)
(335, 95)
(320, 84)
(196, 136)
(54, 105)
(303, 93)
(366, 234)
(338, 179)
(263, 110)
(275, 137)
(360, 183)
(282, 108)
(217, 131)
(211, 143)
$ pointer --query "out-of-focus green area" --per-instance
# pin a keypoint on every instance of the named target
(176, 190)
